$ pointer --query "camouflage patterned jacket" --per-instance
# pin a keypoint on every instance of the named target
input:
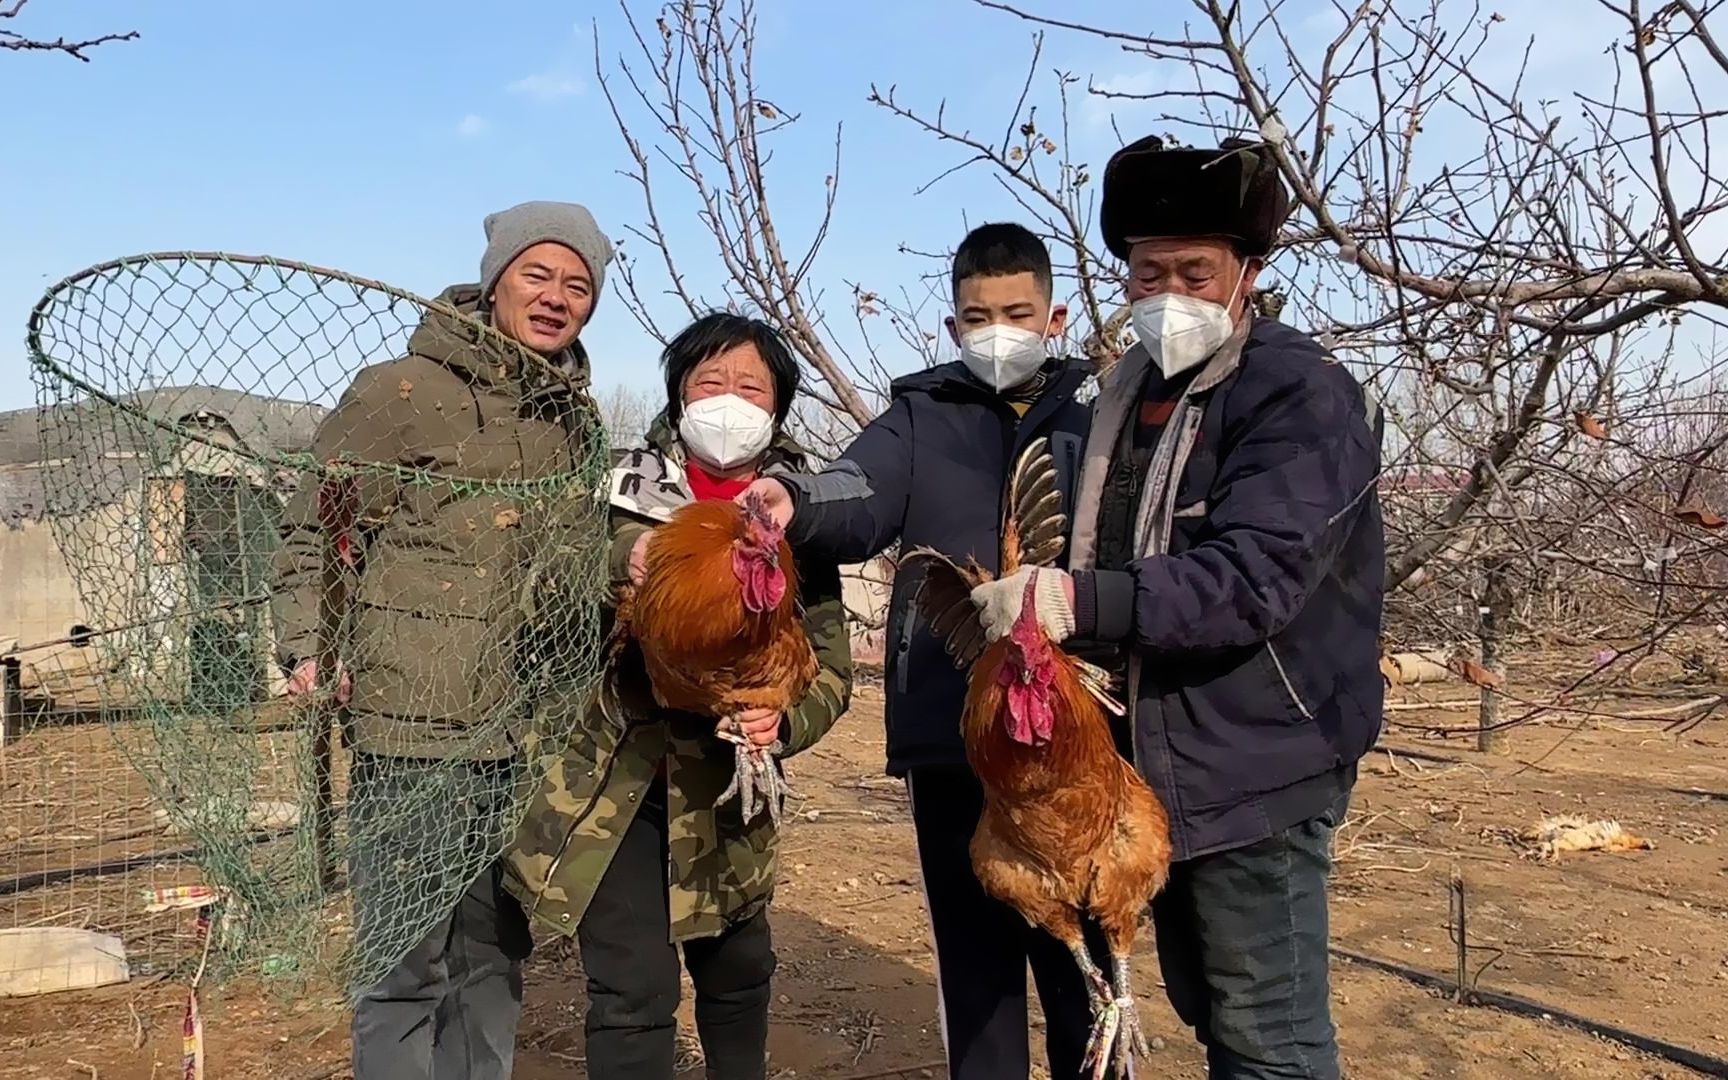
(720, 869)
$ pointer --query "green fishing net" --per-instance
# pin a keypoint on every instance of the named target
(180, 399)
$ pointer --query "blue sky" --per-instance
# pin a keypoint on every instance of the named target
(374, 137)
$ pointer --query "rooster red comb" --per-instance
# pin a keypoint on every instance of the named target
(755, 512)
(1026, 632)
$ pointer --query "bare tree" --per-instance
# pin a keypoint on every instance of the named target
(627, 411)
(17, 42)
(1036, 169)
(1513, 278)
(688, 108)
(693, 80)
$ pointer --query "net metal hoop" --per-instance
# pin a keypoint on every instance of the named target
(484, 333)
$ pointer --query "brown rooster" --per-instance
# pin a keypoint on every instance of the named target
(1069, 828)
(716, 620)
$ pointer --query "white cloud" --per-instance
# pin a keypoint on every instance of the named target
(561, 77)
(472, 126)
(547, 86)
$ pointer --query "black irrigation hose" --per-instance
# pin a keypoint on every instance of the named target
(1700, 793)
(40, 878)
(1445, 759)
(1679, 1055)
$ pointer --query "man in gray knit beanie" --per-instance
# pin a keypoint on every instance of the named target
(542, 271)
(511, 232)
(421, 698)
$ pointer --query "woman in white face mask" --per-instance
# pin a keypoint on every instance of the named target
(730, 382)
(671, 869)
(727, 409)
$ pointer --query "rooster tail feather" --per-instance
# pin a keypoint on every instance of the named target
(1037, 528)
(945, 599)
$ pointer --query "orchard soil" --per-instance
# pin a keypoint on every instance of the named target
(1637, 940)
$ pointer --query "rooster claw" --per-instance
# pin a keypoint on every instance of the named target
(1110, 1041)
(1101, 1046)
(1116, 1037)
(1116, 1033)
(755, 774)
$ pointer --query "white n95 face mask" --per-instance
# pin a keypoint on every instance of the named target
(725, 431)
(1182, 332)
(1001, 356)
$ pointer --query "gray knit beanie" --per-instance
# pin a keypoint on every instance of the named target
(511, 232)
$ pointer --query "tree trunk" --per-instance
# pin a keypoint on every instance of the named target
(1493, 613)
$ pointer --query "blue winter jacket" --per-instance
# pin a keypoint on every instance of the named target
(1251, 616)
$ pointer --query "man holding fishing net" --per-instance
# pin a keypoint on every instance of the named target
(435, 539)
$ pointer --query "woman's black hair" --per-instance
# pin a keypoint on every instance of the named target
(716, 332)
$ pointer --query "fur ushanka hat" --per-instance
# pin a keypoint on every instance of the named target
(1233, 190)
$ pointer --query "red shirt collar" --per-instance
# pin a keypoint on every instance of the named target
(705, 487)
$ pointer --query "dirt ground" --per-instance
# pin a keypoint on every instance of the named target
(1638, 940)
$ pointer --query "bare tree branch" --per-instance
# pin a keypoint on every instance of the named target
(695, 82)
(17, 42)
(1062, 204)
(627, 411)
(1510, 276)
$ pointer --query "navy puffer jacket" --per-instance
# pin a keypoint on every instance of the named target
(932, 471)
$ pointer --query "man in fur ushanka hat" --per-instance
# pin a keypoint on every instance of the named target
(1227, 557)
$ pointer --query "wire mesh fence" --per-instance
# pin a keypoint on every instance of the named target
(319, 566)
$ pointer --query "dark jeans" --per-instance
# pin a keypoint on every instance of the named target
(448, 1009)
(1242, 939)
(983, 947)
(632, 970)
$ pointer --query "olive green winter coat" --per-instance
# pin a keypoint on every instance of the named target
(497, 472)
(721, 870)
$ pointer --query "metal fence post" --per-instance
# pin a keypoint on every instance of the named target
(11, 700)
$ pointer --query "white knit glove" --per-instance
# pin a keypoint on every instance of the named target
(1000, 602)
